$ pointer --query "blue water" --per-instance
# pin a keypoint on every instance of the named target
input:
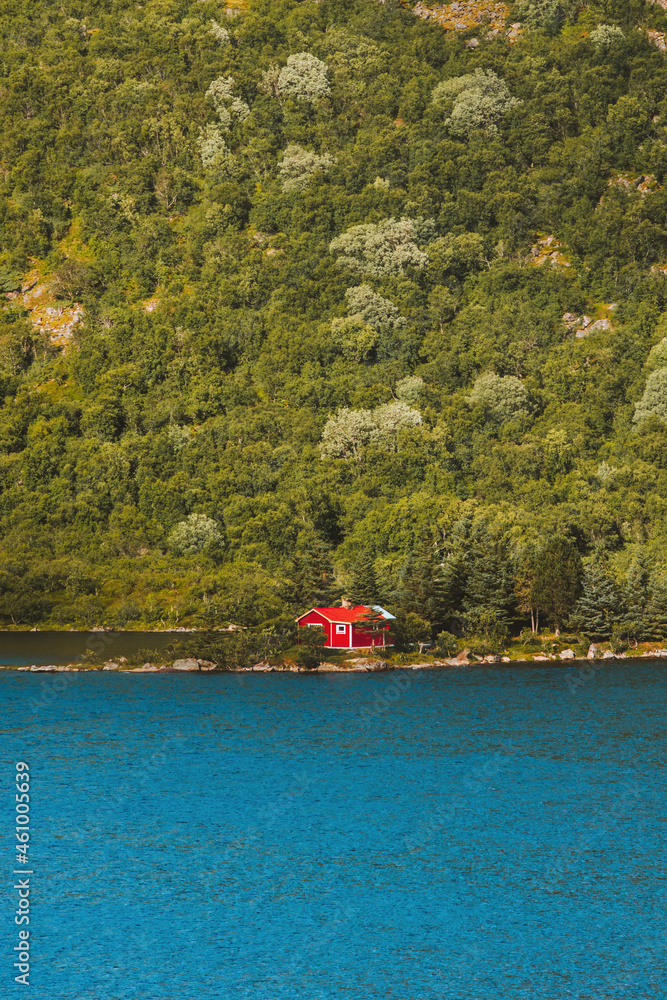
(475, 833)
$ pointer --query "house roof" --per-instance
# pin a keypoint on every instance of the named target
(340, 616)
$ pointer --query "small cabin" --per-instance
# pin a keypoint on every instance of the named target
(343, 626)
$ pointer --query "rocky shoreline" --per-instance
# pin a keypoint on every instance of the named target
(358, 665)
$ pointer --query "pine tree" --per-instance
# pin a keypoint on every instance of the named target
(600, 606)
(364, 588)
(557, 582)
(656, 608)
(636, 598)
(421, 589)
(489, 585)
(310, 578)
(374, 623)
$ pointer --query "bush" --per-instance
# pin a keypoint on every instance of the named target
(446, 644)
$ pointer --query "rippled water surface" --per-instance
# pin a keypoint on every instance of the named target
(474, 833)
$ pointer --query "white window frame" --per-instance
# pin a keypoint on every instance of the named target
(341, 629)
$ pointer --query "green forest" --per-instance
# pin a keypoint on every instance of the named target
(304, 300)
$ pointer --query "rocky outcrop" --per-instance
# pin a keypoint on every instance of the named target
(191, 664)
(658, 39)
(567, 654)
(463, 15)
(549, 250)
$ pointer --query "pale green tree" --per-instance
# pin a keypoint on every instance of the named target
(505, 397)
(346, 434)
(298, 165)
(384, 248)
(479, 100)
(196, 534)
(409, 389)
(657, 357)
(374, 310)
(212, 146)
(227, 106)
(606, 35)
(350, 431)
(304, 78)
(390, 419)
(654, 401)
(221, 35)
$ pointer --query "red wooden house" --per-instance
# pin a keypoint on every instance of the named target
(343, 626)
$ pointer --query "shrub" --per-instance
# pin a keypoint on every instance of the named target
(446, 644)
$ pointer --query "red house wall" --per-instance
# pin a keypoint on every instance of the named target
(365, 638)
(314, 618)
(336, 641)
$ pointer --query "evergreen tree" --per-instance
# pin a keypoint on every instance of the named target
(375, 624)
(557, 582)
(600, 606)
(364, 588)
(656, 608)
(489, 585)
(310, 580)
(421, 588)
(636, 597)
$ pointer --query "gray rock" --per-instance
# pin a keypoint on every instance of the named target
(567, 654)
(608, 655)
(110, 666)
(188, 664)
(600, 325)
(592, 651)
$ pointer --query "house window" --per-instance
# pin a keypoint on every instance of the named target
(341, 629)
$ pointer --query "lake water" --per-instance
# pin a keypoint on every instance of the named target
(453, 835)
(26, 648)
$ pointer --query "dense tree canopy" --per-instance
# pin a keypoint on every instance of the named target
(296, 290)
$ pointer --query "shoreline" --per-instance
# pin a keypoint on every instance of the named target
(361, 665)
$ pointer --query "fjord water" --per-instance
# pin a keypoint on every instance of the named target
(473, 833)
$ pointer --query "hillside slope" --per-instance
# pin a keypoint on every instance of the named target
(305, 298)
